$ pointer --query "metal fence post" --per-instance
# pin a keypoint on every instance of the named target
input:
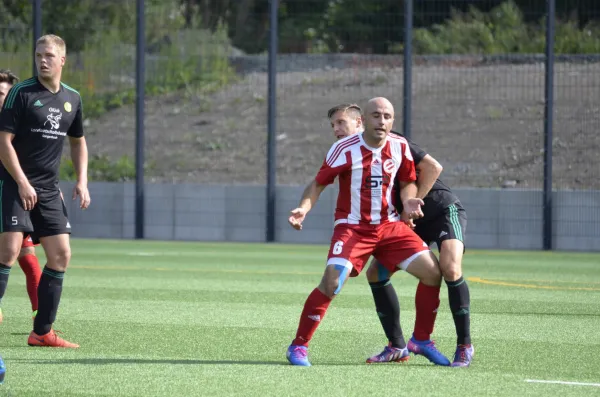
(36, 10)
(271, 122)
(548, 122)
(140, 82)
(407, 84)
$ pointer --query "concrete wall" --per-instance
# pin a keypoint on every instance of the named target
(498, 219)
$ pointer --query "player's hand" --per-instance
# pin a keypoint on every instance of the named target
(406, 219)
(81, 190)
(28, 196)
(297, 217)
(412, 207)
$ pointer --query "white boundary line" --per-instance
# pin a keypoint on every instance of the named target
(560, 382)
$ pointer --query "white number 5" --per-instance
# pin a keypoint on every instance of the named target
(337, 248)
(14, 221)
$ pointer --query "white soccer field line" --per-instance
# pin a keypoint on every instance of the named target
(562, 382)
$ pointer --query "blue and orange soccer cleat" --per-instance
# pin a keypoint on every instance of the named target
(427, 348)
(390, 355)
(463, 356)
(298, 355)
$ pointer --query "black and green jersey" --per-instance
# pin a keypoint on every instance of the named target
(439, 197)
(40, 120)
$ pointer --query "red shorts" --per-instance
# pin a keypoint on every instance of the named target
(394, 244)
(28, 242)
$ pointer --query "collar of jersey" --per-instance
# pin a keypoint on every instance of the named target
(373, 149)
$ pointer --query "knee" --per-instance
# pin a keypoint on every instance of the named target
(377, 272)
(432, 277)
(372, 274)
(328, 287)
(431, 274)
(451, 270)
(333, 280)
(8, 255)
(60, 259)
(26, 251)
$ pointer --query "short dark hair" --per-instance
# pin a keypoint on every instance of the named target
(6, 76)
(344, 107)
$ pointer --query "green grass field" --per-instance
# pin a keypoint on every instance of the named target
(180, 319)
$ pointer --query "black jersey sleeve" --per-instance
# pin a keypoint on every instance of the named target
(13, 108)
(416, 151)
(76, 130)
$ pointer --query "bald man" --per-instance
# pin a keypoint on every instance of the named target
(367, 165)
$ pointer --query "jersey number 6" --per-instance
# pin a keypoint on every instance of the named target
(337, 248)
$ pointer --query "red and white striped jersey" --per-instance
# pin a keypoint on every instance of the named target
(366, 177)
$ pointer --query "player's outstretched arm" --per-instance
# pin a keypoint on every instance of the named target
(429, 170)
(309, 198)
(79, 155)
(10, 161)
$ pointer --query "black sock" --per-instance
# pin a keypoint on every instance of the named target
(49, 292)
(388, 310)
(4, 273)
(460, 302)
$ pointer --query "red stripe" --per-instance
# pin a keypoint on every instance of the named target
(397, 137)
(338, 150)
(365, 194)
(386, 154)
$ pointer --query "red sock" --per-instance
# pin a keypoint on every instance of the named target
(314, 310)
(427, 301)
(31, 268)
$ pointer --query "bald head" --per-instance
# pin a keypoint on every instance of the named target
(378, 120)
(379, 103)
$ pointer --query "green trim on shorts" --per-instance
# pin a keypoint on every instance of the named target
(455, 223)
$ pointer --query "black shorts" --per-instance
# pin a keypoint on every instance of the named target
(451, 224)
(47, 218)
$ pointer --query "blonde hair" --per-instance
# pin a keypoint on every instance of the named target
(54, 40)
(352, 108)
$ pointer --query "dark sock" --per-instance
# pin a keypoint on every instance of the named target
(460, 302)
(49, 292)
(388, 310)
(4, 273)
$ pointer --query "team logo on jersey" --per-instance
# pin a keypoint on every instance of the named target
(54, 120)
(388, 166)
(68, 107)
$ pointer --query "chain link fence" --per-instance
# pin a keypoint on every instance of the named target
(477, 85)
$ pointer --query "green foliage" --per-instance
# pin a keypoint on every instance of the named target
(101, 62)
(101, 168)
(502, 31)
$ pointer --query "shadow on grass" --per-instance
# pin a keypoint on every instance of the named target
(108, 361)
(562, 314)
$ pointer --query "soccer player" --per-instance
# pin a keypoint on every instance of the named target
(38, 113)
(366, 224)
(27, 259)
(444, 223)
